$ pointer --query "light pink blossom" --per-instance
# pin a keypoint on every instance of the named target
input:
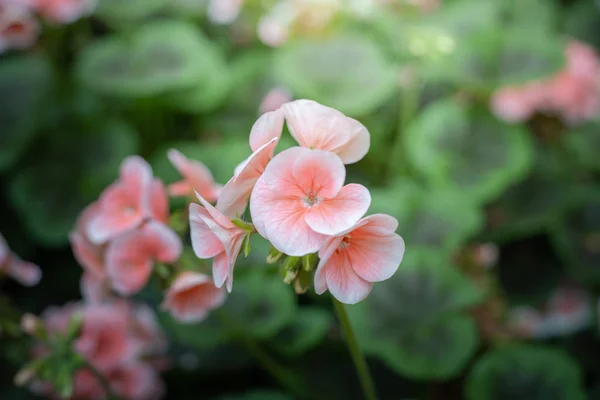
(64, 11)
(196, 177)
(274, 99)
(191, 296)
(351, 261)
(224, 12)
(26, 273)
(18, 27)
(215, 235)
(515, 104)
(236, 193)
(300, 200)
(125, 204)
(129, 258)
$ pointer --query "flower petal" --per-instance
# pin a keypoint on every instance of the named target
(335, 215)
(196, 175)
(268, 127)
(204, 242)
(358, 145)
(162, 242)
(320, 173)
(128, 263)
(329, 247)
(26, 273)
(158, 201)
(220, 269)
(343, 283)
(88, 255)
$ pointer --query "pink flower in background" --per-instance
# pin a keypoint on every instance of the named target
(224, 12)
(236, 193)
(130, 257)
(191, 296)
(575, 100)
(515, 104)
(215, 235)
(125, 204)
(145, 328)
(94, 289)
(159, 201)
(64, 11)
(89, 255)
(300, 199)
(351, 261)
(274, 99)
(583, 62)
(136, 381)
(273, 32)
(196, 177)
(18, 27)
(319, 127)
(26, 273)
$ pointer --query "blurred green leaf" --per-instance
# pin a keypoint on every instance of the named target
(161, 56)
(413, 322)
(454, 146)
(257, 395)
(70, 174)
(582, 21)
(186, 8)
(584, 145)
(348, 73)
(306, 331)
(128, 13)
(525, 372)
(26, 81)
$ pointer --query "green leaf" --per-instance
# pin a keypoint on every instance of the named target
(584, 145)
(27, 79)
(306, 331)
(69, 175)
(413, 321)
(348, 73)
(130, 11)
(257, 395)
(161, 56)
(196, 8)
(525, 372)
(469, 149)
(581, 21)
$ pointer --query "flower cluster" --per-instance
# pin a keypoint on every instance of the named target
(298, 202)
(119, 339)
(119, 237)
(573, 94)
(19, 27)
(11, 265)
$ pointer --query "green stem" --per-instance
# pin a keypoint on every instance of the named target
(366, 381)
(110, 394)
(286, 379)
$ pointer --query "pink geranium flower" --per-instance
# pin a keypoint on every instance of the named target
(18, 27)
(130, 257)
(515, 104)
(104, 339)
(88, 255)
(159, 201)
(65, 11)
(316, 127)
(351, 261)
(125, 204)
(300, 200)
(136, 381)
(26, 273)
(196, 177)
(191, 296)
(236, 193)
(215, 235)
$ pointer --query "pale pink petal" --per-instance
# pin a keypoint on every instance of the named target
(93, 288)
(220, 269)
(191, 296)
(335, 215)
(88, 255)
(159, 202)
(204, 242)
(215, 214)
(319, 127)
(26, 273)
(319, 173)
(325, 253)
(268, 127)
(128, 263)
(224, 11)
(135, 172)
(180, 189)
(161, 242)
(236, 193)
(196, 175)
(343, 283)
(273, 100)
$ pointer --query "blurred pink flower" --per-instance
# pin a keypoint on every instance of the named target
(274, 99)
(136, 381)
(514, 104)
(273, 32)
(574, 99)
(191, 296)
(125, 204)
(159, 201)
(351, 261)
(18, 27)
(64, 11)
(215, 235)
(196, 177)
(88, 255)
(236, 193)
(26, 273)
(129, 258)
(319, 127)
(94, 288)
(300, 199)
(224, 12)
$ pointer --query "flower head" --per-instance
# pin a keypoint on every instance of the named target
(130, 257)
(191, 296)
(26, 273)
(18, 28)
(300, 199)
(196, 177)
(215, 235)
(351, 261)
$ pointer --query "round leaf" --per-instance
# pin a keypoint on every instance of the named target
(128, 12)
(348, 73)
(307, 330)
(525, 372)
